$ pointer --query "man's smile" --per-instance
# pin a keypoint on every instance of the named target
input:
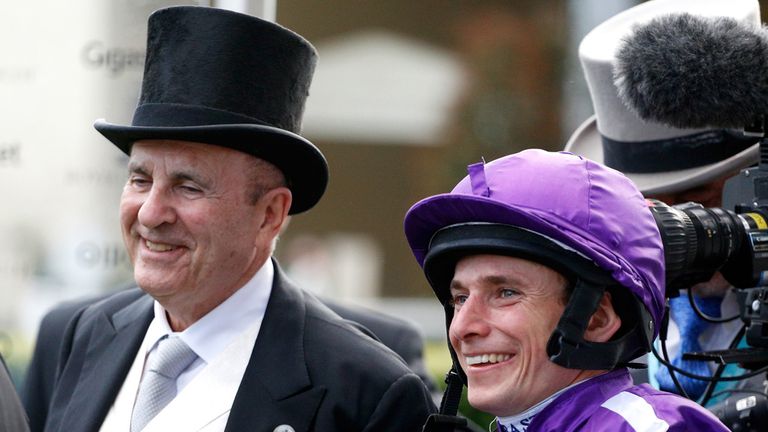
(158, 247)
(486, 358)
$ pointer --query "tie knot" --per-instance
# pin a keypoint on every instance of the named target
(171, 357)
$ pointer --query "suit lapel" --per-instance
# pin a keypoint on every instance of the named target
(276, 388)
(111, 350)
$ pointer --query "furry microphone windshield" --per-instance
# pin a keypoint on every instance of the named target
(690, 72)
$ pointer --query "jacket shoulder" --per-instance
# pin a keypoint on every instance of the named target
(345, 361)
(326, 329)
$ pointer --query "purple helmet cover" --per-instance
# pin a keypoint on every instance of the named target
(588, 207)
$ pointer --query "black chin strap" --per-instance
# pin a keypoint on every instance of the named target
(567, 340)
(452, 396)
(447, 420)
(567, 347)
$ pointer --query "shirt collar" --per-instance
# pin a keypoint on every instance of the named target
(209, 335)
(521, 421)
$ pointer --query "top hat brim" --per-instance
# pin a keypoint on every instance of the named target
(586, 141)
(303, 165)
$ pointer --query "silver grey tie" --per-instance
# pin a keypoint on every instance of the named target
(158, 386)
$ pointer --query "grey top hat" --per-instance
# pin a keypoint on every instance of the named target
(654, 156)
(219, 77)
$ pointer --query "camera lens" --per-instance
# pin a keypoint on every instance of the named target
(699, 241)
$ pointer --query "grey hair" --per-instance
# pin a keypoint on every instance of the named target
(265, 176)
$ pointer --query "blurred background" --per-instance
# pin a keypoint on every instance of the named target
(406, 94)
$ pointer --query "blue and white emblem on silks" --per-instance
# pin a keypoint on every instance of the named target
(516, 426)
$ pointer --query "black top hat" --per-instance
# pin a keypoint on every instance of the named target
(220, 77)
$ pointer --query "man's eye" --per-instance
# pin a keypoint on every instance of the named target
(508, 293)
(458, 300)
(189, 188)
(138, 181)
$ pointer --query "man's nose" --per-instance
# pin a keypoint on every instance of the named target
(470, 319)
(157, 209)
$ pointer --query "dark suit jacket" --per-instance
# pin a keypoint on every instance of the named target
(309, 369)
(398, 335)
(12, 418)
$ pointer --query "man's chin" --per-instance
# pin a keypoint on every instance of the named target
(487, 401)
(157, 286)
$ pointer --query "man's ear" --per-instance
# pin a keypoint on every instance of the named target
(605, 322)
(276, 204)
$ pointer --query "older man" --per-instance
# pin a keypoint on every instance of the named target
(217, 339)
(551, 271)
